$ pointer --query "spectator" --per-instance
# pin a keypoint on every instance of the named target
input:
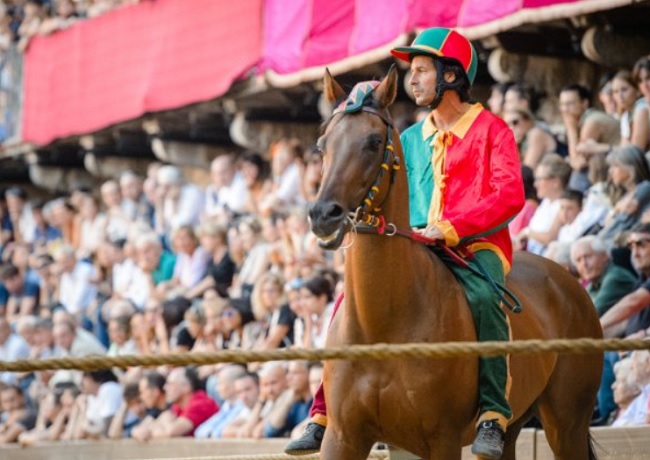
(312, 175)
(231, 407)
(240, 330)
(132, 412)
(605, 282)
(589, 131)
(256, 259)
(220, 268)
(496, 100)
(181, 203)
(44, 233)
(135, 205)
(12, 347)
(271, 309)
(641, 77)
(53, 415)
(17, 416)
(637, 412)
(296, 409)
(93, 226)
(286, 159)
(190, 408)
(633, 111)
(606, 94)
(625, 391)
(522, 219)
(119, 332)
(76, 288)
(274, 392)
(152, 393)
(191, 259)
(117, 224)
(551, 179)
(20, 214)
(317, 304)
(533, 142)
(155, 266)
(247, 389)
(192, 329)
(228, 193)
(102, 396)
(570, 208)
(23, 294)
(73, 341)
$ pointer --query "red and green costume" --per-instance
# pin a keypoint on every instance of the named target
(467, 182)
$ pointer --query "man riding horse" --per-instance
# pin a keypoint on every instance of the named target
(464, 186)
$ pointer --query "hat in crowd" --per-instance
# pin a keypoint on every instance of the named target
(441, 42)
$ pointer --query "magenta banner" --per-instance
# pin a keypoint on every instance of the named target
(148, 57)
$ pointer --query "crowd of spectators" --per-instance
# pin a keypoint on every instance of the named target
(155, 264)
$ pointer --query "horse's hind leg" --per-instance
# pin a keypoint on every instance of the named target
(338, 446)
(566, 406)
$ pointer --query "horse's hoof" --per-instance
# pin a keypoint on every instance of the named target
(309, 442)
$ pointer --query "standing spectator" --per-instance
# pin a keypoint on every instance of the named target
(17, 416)
(605, 282)
(191, 406)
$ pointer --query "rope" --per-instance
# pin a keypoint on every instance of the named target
(353, 353)
(375, 455)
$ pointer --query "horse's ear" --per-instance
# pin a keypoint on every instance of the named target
(332, 90)
(387, 90)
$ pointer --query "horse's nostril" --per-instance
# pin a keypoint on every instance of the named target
(326, 212)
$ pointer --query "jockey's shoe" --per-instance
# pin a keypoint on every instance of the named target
(489, 440)
(309, 442)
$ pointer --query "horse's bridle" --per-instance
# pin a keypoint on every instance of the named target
(368, 211)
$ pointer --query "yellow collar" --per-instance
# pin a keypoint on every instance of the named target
(459, 129)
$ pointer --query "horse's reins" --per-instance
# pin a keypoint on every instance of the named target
(364, 218)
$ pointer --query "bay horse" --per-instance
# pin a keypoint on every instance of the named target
(398, 291)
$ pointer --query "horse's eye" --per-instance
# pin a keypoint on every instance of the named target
(374, 142)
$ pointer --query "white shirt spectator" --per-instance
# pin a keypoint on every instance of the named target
(187, 210)
(189, 270)
(12, 349)
(637, 412)
(123, 276)
(76, 290)
(232, 197)
(106, 403)
(319, 335)
(542, 221)
(289, 183)
(139, 289)
(86, 344)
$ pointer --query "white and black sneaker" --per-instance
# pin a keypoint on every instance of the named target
(489, 440)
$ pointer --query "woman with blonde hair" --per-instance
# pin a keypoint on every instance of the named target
(270, 307)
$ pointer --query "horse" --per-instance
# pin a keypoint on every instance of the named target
(398, 291)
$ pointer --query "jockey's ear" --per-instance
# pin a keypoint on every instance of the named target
(387, 90)
(331, 89)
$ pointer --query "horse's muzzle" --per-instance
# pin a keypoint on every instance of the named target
(327, 220)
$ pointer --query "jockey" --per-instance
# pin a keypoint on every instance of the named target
(465, 186)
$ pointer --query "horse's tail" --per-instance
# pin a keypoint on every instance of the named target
(592, 448)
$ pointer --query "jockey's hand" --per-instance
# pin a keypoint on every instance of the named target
(433, 232)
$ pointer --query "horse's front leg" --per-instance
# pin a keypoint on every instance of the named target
(348, 445)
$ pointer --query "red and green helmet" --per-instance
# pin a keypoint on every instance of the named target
(441, 42)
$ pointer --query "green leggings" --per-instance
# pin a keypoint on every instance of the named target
(490, 322)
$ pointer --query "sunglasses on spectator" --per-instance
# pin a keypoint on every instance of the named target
(641, 243)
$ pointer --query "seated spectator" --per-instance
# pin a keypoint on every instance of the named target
(497, 98)
(20, 214)
(135, 204)
(76, 288)
(23, 294)
(551, 179)
(132, 412)
(17, 417)
(239, 328)
(53, 415)
(73, 341)
(256, 172)
(625, 390)
(191, 330)
(117, 222)
(191, 259)
(605, 282)
(286, 164)
(637, 412)
(220, 268)
(274, 392)
(317, 305)
(44, 233)
(256, 259)
(152, 337)
(294, 410)
(589, 131)
(247, 389)
(12, 347)
(64, 16)
(533, 142)
(228, 194)
(191, 406)
(155, 266)
(231, 407)
(181, 202)
(522, 220)
(633, 111)
(271, 309)
(630, 194)
(119, 332)
(101, 399)
(570, 209)
(315, 382)
(312, 175)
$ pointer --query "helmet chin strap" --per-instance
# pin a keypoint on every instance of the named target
(442, 85)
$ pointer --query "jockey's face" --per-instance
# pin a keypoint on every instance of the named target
(423, 80)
